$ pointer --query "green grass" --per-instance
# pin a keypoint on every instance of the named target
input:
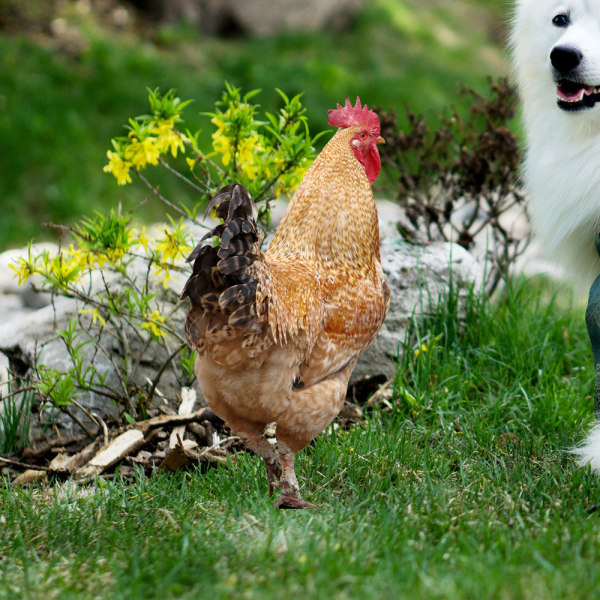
(464, 490)
(59, 111)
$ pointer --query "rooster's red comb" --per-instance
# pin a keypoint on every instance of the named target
(348, 115)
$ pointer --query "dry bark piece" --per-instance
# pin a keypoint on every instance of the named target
(171, 420)
(30, 476)
(188, 399)
(47, 447)
(128, 442)
(200, 432)
(180, 456)
(60, 463)
(383, 396)
(65, 466)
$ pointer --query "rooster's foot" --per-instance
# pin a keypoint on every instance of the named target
(290, 501)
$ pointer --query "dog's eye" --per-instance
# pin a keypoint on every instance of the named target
(561, 20)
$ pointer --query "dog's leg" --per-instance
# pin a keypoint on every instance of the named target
(592, 320)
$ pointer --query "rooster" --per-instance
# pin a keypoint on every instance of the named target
(278, 334)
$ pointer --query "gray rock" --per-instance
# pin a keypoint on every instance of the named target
(15, 297)
(258, 17)
(29, 337)
(418, 276)
(266, 17)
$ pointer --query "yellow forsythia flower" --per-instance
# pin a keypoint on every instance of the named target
(162, 127)
(167, 138)
(142, 239)
(143, 153)
(23, 269)
(96, 317)
(172, 246)
(155, 319)
(223, 146)
(422, 349)
(118, 167)
(247, 155)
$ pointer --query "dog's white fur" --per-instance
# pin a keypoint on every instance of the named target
(562, 162)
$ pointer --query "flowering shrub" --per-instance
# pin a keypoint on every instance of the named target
(123, 275)
(268, 157)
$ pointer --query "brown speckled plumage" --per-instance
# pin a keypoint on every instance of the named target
(278, 335)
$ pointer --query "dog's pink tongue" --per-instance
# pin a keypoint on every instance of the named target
(570, 94)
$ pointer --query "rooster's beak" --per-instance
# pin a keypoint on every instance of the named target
(380, 140)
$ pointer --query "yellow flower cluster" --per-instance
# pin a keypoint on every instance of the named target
(248, 153)
(421, 350)
(153, 325)
(119, 167)
(142, 152)
(287, 182)
(88, 259)
(23, 269)
(65, 268)
(59, 270)
(144, 147)
(171, 249)
(94, 313)
(167, 138)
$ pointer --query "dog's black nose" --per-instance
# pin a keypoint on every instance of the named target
(565, 58)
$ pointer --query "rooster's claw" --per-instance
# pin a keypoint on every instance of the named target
(287, 501)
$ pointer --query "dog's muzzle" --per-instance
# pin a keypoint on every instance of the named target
(565, 58)
(572, 92)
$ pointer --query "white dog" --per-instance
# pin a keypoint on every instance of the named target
(556, 50)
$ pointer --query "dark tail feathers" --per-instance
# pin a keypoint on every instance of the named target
(219, 279)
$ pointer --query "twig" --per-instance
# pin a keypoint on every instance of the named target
(104, 429)
(378, 395)
(165, 201)
(46, 447)
(86, 412)
(184, 178)
(166, 420)
(20, 465)
(222, 442)
(65, 409)
(22, 390)
(162, 370)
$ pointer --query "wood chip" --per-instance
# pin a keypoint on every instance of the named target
(178, 432)
(190, 444)
(30, 476)
(188, 399)
(172, 420)
(65, 467)
(180, 456)
(200, 432)
(128, 442)
(383, 395)
(59, 463)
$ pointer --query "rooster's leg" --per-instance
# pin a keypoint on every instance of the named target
(290, 491)
(267, 452)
